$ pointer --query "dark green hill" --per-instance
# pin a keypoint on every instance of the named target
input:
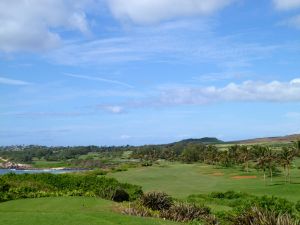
(205, 140)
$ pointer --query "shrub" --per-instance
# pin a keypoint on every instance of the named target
(217, 195)
(26, 185)
(274, 204)
(4, 186)
(136, 209)
(258, 216)
(146, 164)
(184, 212)
(120, 195)
(297, 206)
(228, 195)
(156, 200)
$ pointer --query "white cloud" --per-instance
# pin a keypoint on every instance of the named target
(286, 4)
(151, 11)
(8, 81)
(248, 91)
(31, 25)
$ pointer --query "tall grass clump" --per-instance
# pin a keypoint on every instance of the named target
(156, 201)
(258, 216)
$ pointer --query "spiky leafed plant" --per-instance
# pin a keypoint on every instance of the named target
(156, 200)
(258, 216)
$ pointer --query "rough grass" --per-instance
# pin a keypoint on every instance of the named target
(181, 180)
(68, 211)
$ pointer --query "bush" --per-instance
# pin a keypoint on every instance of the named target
(27, 185)
(4, 186)
(156, 201)
(184, 212)
(273, 204)
(120, 195)
(297, 206)
(258, 216)
(228, 195)
(146, 164)
(136, 209)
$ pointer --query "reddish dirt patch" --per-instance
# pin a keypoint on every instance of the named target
(244, 177)
(218, 174)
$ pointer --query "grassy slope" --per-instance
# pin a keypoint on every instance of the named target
(181, 180)
(67, 211)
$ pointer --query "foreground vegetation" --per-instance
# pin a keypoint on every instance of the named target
(14, 186)
(68, 211)
(246, 209)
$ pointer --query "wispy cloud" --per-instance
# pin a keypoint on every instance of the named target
(46, 114)
(219, 76)
(114, 109)
(167, 43)
(7, 81)
(115, 82)
(292, 22)
(292, 115)
(286, 4)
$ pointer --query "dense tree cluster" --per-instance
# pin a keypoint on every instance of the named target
(25, 154)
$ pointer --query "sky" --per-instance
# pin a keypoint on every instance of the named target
(118, 72)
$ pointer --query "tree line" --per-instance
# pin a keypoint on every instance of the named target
(262, 157)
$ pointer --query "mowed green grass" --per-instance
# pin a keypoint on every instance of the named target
(68, 211)
(181, 180)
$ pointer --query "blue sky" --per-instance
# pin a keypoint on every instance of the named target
(116, 72)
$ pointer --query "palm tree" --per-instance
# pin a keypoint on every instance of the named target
(286, 156)
(261, 153)
(296, 146)
(212, 154)
(245, 156)
(224, 159)
(271, 161)
(233, 153)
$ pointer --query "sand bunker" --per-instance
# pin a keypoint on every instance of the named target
(244, 177)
